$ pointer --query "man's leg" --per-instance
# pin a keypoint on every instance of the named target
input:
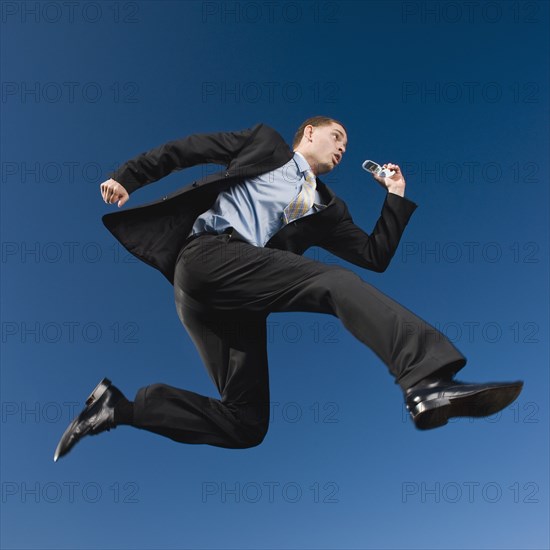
(232, 346)
(225, 273)
(224, 285)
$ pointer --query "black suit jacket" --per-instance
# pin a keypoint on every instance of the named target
(155, 232)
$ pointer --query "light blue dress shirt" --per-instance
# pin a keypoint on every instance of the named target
(255, 206)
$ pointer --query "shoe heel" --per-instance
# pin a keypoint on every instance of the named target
(431, 414)
(98, 391)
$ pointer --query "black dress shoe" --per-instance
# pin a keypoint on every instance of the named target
(97, 417)
(432, 402)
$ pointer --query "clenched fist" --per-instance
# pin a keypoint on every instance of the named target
(112, 191)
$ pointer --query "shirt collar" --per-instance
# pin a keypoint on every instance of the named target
(301, 162)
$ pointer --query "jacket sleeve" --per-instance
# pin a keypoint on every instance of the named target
(374, 251)
(150, 166)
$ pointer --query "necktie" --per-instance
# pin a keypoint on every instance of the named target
(304, 201)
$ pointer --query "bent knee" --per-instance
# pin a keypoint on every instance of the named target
(252, 436)
(251, 425)
(255, 439)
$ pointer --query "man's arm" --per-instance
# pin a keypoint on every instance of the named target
(152, 165)
(374, 251)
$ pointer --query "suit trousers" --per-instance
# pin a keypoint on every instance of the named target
(224, 290)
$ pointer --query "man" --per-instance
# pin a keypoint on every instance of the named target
(232, 244)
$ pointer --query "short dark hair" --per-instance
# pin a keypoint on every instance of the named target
(314, 121)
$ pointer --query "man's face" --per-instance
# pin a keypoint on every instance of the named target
(324, 146)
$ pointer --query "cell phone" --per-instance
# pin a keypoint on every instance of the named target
(377, 170)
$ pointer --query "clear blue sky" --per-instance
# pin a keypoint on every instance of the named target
(456, 93)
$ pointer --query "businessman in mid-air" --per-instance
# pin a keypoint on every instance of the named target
(231, 244)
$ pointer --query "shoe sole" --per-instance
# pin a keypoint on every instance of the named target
(96, 394)
(436, 412)
(98, 391)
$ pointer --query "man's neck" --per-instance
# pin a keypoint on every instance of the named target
(309, 162)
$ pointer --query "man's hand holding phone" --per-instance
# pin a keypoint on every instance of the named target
(388, 175)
